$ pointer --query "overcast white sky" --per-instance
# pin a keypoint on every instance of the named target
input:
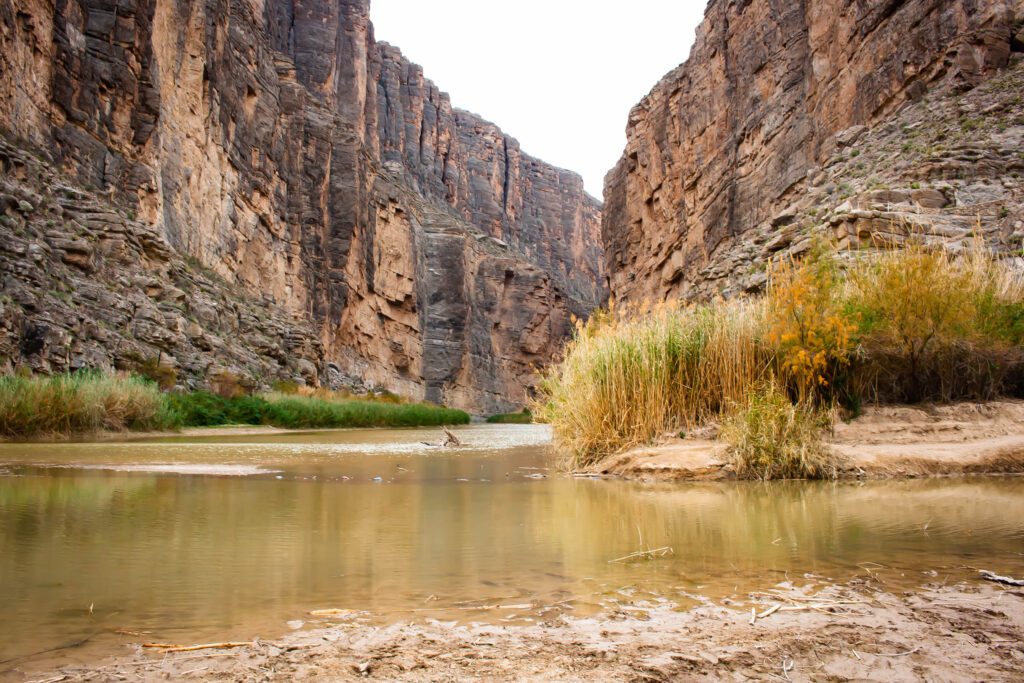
(558, 75)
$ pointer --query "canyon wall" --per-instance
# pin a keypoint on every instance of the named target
(278, 146)
(858, 121)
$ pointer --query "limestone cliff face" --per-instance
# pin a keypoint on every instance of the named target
(459, 160)
(278, 144)
(752, 144)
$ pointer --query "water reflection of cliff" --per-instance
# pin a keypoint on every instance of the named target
(215, 546)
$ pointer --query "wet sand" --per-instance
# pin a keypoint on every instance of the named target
(968, 631)
(884, 442)
(186, 433)
(193, 432)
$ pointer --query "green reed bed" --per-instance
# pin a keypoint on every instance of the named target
(202, 409)
(65, 405)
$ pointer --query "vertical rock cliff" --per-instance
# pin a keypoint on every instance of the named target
(791, 119)
(278, 146)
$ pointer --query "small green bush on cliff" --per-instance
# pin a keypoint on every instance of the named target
(152, 369)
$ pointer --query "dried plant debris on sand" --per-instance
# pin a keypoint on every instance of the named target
(855, 632)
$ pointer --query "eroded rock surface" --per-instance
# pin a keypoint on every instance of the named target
(864, 122)
(280, 146)
(85, 285)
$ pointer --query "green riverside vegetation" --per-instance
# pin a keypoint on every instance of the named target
(203, 409)
(907, 325)
(86, 402)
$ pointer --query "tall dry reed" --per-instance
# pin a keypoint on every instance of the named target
(630, 376)
(913, 324)
(84, 402)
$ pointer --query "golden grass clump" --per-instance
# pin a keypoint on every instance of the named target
(771, 437)
(934, 325)
(84, 402)
(904, 325)
(629, 376)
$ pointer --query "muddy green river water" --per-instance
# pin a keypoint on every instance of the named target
(192, 540)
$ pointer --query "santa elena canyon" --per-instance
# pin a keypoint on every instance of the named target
(307, 372)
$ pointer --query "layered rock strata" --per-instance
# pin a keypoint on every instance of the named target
(85, 285)
(862, 122)
(284, 149)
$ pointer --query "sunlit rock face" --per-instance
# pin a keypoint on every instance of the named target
(842, 119)
(278, 145)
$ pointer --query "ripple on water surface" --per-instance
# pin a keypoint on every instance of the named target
(151, 537)
(259, 454)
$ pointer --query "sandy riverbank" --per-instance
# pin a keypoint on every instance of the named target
(968, 631)
(185, 433)
(195, 432)
(886, 441)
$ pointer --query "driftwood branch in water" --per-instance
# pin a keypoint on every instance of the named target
(333, 613)
(992, 576)
(644, 555)
(166, 647)
(450, 439)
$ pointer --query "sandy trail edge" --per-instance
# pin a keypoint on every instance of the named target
(968, 631)
(886, 441)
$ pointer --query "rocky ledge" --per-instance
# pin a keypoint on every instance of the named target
(278, 147)
(865, 123)
(86, 285)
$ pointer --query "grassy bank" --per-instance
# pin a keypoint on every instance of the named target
(67, 404)
(202, 409)
(89, 402)
(910, 325)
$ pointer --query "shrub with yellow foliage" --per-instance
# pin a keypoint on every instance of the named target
(918, 323)
(812, 337)
(934, 325)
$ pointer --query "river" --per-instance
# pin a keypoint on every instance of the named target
(188, 540)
